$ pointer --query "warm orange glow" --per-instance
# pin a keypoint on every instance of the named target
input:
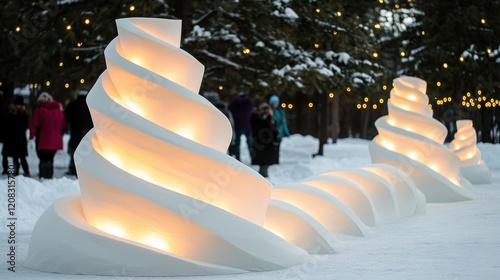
(111, 227)
(155, 242)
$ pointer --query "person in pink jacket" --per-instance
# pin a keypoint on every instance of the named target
(47, 127)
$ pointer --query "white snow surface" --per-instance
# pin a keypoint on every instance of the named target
(458, 240)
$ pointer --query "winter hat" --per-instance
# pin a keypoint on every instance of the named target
(19, 100)
(274, 99)
(263, 105)
(44, 97)
(83, 92)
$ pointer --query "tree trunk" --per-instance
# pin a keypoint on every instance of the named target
(323, 121)
(334, 115)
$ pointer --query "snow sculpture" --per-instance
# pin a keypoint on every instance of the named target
(411, 140)
(309, 213)
(159, 196)
(464, 145)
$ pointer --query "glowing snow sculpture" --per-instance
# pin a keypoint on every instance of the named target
(464, 145)
(412, 141)
(310, 212)
(159, 196)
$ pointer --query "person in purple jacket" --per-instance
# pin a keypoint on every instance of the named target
(241, 107)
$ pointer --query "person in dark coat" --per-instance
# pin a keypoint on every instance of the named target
(78, 118)
(48, 126)
(241, 107)
(266, 139)
(15, 142)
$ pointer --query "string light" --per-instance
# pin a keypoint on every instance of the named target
(364, 106)
(246, 51)
(358, 106)
(68, 27)
(438, 84)
(82, 81)
(374, 106)
(318, 10)
(47, 83)
(132, 8)
(66, 85)
(348, 89)
(61, 64)
(18, 29)
(77, 57)
(310, 105)
(365, 99)
(396, 6)
(377, 25)
(283, 105)
(221, 87)
(384, 87)
(445, 65)
(290, 106)
(462, 59)
(331, 95)
(335, 32)
(423, 33)
(402, 53)
(87, 21)
(375, 54)
(381, 100)
(316, 45)
(483, 21)
(339, 13)
(381, 1)
(488, 50)
(79, 44)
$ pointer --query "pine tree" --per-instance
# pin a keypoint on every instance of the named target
(455, 47)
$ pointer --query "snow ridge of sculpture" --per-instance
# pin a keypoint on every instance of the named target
(464, 145)
(159, 195)
(411, 140)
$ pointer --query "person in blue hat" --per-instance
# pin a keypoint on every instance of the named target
(279, 116)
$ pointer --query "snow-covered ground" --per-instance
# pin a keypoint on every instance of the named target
(458, 240)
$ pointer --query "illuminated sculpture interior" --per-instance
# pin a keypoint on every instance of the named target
(464, 145)
(411, 140)
(160, 197)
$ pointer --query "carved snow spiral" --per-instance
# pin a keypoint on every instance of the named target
(154, 176)
(464, 145)
(411, 140)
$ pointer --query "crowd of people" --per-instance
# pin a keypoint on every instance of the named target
(263, 127)
(48, 123)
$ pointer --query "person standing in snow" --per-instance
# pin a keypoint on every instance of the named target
(15, 142)
(78, 118)
(279, 116)
(241, 107)
(266, 139)
(47, 127)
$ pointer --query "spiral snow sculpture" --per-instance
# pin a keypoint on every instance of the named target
(411, 140)
(464, 145)
(159, 196)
